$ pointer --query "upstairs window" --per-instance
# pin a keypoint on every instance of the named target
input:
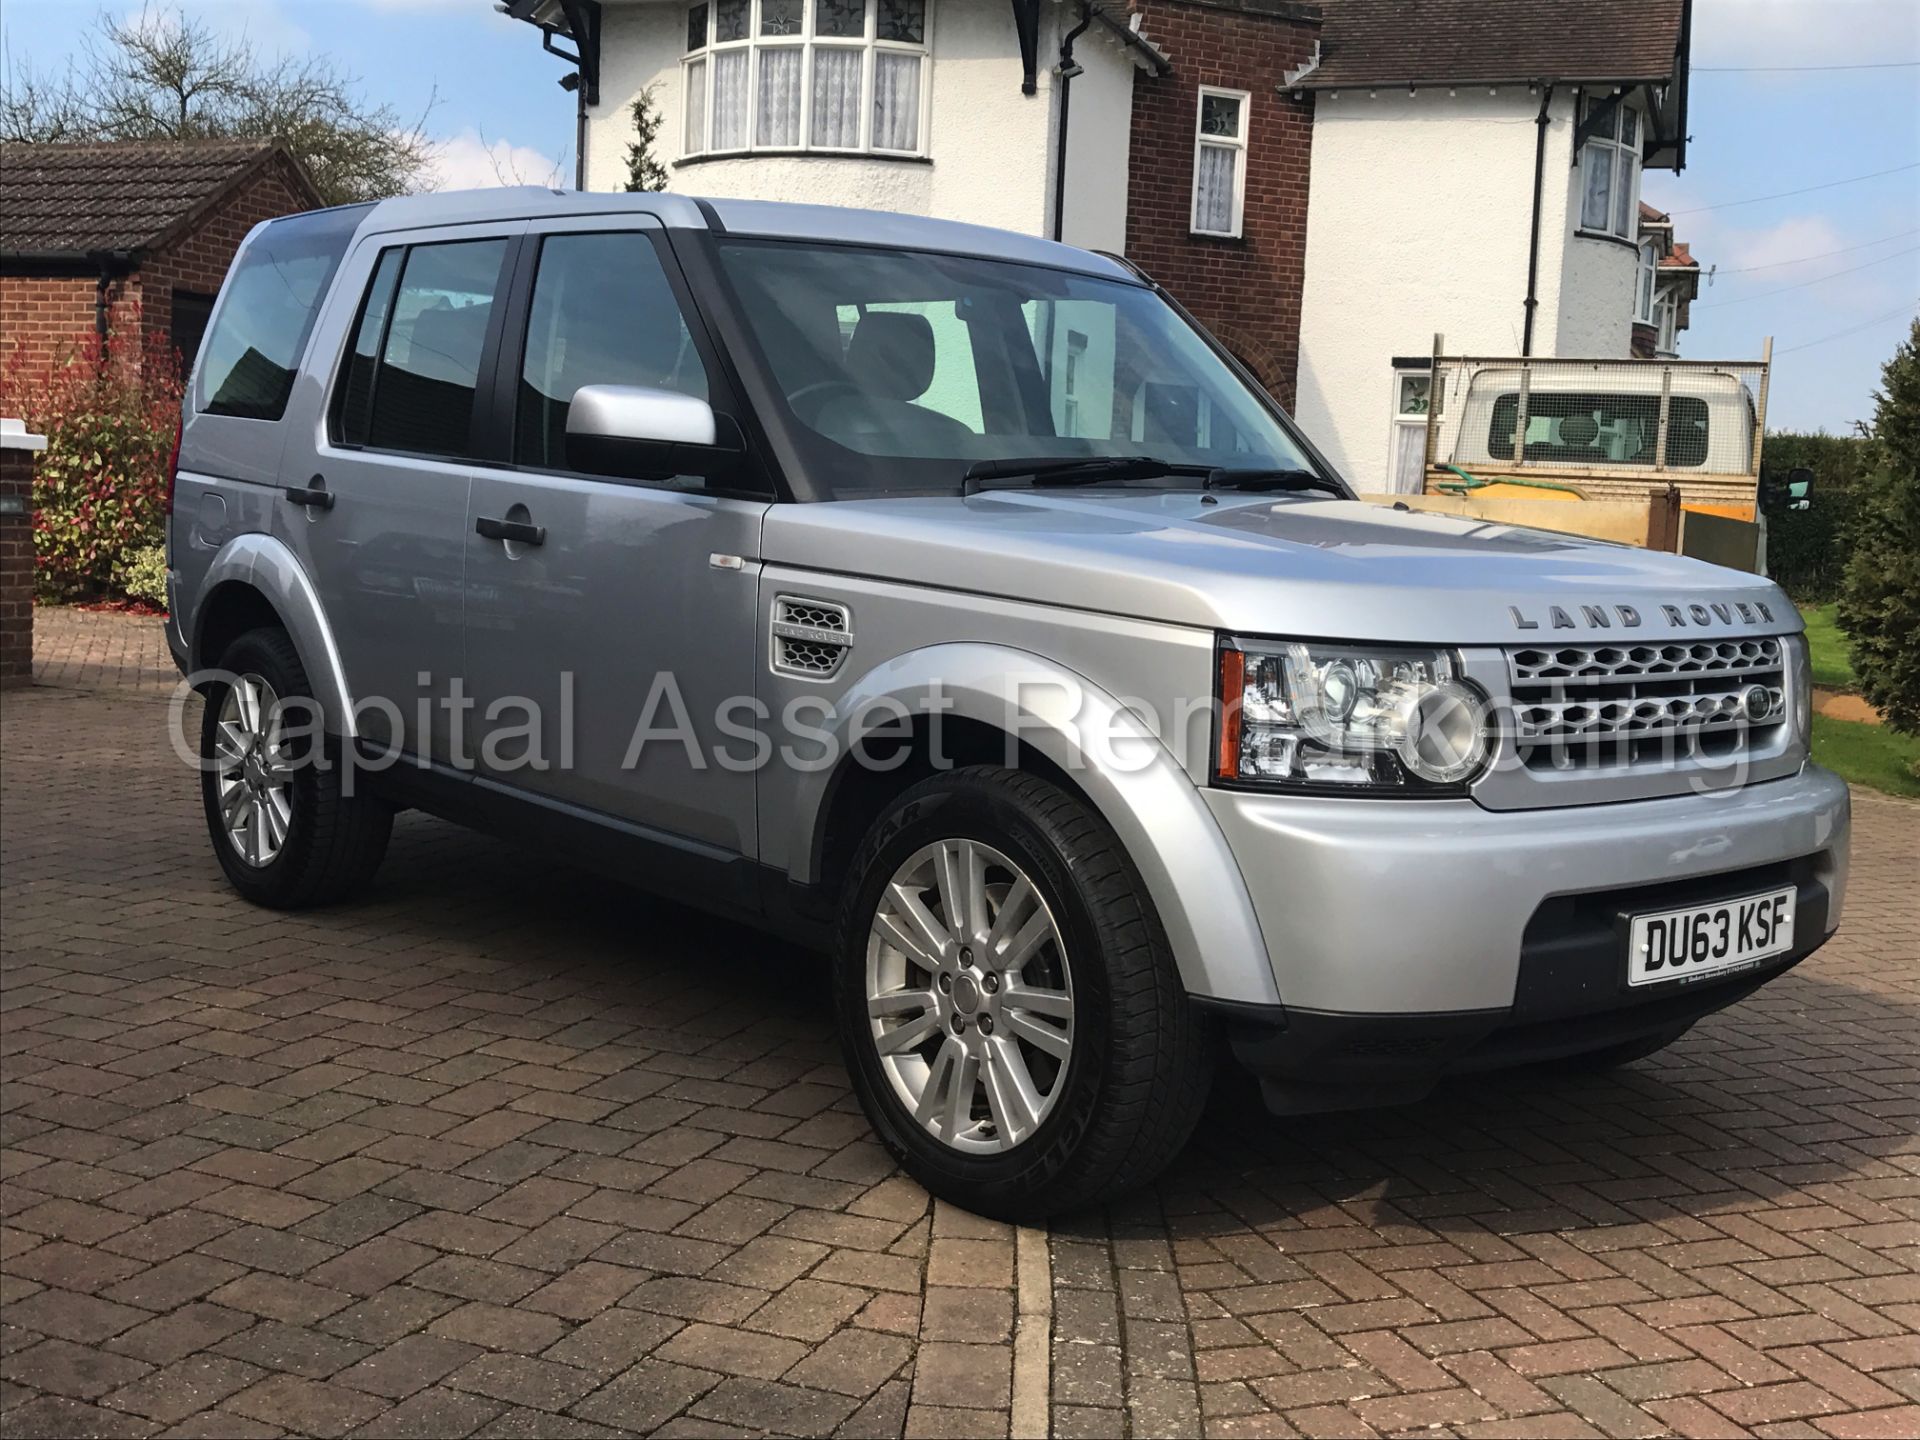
(834, 75)
(1643, 283)
(1220, 162)
(1610, 174)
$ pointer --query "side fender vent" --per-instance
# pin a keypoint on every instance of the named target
(811, 638)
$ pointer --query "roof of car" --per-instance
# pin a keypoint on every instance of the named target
(759, 218)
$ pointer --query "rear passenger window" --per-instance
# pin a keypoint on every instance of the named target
(272, 298)
(425, 319)
(602, 314)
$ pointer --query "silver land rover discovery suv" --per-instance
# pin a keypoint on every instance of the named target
(950, 600)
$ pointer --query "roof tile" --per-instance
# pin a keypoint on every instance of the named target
(85, 198)
(1482, 42)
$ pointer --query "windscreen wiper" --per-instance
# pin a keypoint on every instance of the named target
(1074, 470)
(1272, 478)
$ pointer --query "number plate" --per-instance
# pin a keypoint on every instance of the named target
(1709, 939)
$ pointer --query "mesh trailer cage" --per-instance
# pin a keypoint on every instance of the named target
(1610, 429)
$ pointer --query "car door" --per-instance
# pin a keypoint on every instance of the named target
(635, 610)
(379, 523)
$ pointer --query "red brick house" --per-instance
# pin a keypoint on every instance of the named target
(129, 238)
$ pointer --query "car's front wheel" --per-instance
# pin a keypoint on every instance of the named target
(1013, 1019)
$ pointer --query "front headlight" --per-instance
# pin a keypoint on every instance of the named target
(1315, 715)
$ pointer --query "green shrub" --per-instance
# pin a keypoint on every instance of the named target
(1807, 549)
(110, 413)
(1880, 606)
(142, 575)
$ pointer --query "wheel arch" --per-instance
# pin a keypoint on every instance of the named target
(256, 580)
(998, 705)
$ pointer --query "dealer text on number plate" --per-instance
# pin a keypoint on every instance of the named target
(1680, 944)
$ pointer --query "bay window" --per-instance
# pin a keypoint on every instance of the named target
(1220, 162)
(1610, 174)
(834, 75)
(1643, 283)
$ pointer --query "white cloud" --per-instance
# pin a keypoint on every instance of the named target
(1796, 32)
(470, 161)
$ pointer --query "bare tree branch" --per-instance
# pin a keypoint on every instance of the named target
(166, 76)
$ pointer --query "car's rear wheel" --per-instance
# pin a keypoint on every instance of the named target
(1012, 1016)
(287, 826)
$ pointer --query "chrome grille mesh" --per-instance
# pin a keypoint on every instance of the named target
(1586, 706)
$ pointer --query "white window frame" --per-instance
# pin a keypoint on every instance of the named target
(1646, 282)
(1623, 162)
(1666, 311)
(808, 43)
(1405, 421)
(1236, 143)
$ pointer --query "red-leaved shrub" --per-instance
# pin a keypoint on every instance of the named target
(109, 413)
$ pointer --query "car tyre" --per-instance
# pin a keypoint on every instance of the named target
(1127, 1093)
(289, 832)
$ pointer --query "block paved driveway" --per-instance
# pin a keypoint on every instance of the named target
(505, 1150)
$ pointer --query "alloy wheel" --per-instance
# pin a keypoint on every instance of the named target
(255, 780)
(969, 996)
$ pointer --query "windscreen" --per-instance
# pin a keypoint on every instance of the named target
(903, 368)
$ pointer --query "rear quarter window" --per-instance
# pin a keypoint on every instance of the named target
(252, 352)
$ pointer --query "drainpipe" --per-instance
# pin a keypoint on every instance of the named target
(1067, 71)
(109, 263)
(1541, 121)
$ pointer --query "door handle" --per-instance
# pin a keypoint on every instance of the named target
(313, 496)
(517, 531)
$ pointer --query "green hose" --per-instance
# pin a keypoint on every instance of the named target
(1468, 482)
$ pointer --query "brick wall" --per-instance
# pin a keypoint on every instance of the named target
(45, 318)
(1246, 290)
(16, 567)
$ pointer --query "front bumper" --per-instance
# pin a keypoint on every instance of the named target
(1410, 939)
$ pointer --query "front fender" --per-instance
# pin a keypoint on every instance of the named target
(269, 567)
(1133, 781)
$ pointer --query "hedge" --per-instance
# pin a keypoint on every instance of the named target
(1807, 549)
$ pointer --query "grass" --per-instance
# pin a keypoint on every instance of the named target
(1827, 647)
(1869, 755)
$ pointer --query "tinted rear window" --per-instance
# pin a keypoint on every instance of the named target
(414, 365)
(252, 353)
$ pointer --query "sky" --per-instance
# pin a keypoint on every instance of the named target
(1766, 118)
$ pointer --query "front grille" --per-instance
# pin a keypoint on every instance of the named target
(1578, 707)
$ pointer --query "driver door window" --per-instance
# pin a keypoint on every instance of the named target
(602, 314)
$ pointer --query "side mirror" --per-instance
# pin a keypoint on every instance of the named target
(1799, 484)
(638, 432)
(1788, 492)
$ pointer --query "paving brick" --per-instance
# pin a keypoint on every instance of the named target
(646, 1396)
(81, 1372)
(184, 1388)
(523, 1380)
(732, 1352)
(496, 1327)
(308, 1407)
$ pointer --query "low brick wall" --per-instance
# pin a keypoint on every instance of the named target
(17, 454)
